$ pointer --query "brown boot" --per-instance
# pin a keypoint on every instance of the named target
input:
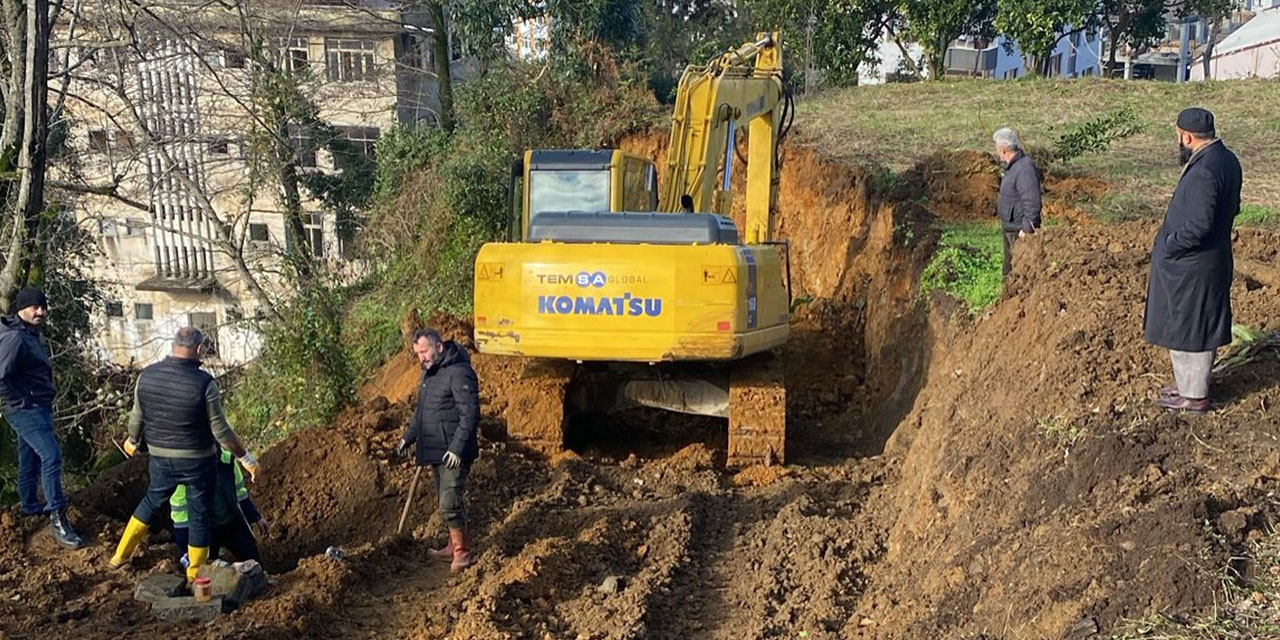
(443, 554)
(461, 553)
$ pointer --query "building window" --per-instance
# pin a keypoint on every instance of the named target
(456, 47)
(220, 147)
(418, 54)
(134, 227)
(258, 232)
(207, 323)
(363, 138)
(98, 141)
(314, 226)
(107, 228)
(115, 309)
(348, 59)
(143, 311)
(232, 59)
(294, 54)
(1010, 74)
(303, 147)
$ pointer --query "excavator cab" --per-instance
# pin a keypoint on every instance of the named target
(564, 180)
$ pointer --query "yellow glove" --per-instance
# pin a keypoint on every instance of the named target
(250, 465)
(130, 447)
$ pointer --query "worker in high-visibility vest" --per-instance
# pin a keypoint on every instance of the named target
(233, 515)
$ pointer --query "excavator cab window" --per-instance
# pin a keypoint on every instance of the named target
(639, 186)
(568, 190)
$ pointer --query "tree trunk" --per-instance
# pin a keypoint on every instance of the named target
(1208, 50)
(29, 206)
(1113, 40)
(444, 73)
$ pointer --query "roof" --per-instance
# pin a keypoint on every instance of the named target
(1262, 29)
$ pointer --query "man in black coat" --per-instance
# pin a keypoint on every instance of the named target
(1189, 292)
(444, 429)
(1018, 206)
(26, 399)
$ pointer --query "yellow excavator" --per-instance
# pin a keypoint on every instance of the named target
(622, 294)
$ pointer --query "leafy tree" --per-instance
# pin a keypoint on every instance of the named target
(844, 32)
(1133, 23)
(1038, 25)
(934, 24)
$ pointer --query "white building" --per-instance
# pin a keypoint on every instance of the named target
(1251, 51)
(1076, 55)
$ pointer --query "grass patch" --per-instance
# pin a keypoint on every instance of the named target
(1060, 430)
(1251, 608)
(897, 124)
(1256, 215)
(968, 265)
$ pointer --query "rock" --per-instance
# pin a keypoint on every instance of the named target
(1232, 523)
(157, 587)
(582, 501)
(1085, 628)
(186, 608)
(610, 586)
(236, 583)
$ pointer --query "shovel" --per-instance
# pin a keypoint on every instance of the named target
(413, 488)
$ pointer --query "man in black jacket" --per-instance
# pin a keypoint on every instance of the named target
(1018, 206)
(1189, 291)
(444, 429)
(177, 412)
(26, 399)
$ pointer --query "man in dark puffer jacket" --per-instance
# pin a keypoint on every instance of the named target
(444, 429)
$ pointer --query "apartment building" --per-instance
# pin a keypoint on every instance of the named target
(193, 233)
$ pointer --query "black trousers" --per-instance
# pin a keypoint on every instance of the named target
(234, 536)
(1010, 237)
(198, 475)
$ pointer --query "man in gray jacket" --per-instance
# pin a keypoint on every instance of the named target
(1019, 204)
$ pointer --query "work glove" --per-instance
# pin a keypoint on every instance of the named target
(250, 465)
(262, 527)
(130, 447)
(402, 449)
(451, 460)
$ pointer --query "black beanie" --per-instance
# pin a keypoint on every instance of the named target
(1196, 121)
(30, 297)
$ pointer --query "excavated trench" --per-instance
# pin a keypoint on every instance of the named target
(998, 477)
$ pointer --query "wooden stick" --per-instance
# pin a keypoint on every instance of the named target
(413, 488)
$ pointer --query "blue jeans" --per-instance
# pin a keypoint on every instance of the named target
(39, 459)
(198, 475)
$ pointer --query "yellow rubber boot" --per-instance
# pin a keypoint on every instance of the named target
(134, 532)
(197, 556)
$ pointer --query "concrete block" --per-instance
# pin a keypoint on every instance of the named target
(157, 586)
(186, 608)
(235, 583)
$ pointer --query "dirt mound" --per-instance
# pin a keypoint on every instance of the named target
(1040, 486)
(1026, 482)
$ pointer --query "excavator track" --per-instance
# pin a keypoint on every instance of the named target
(757, 412)
(535, 412)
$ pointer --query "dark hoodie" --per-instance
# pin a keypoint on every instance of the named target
(448, 410)
(26, 375)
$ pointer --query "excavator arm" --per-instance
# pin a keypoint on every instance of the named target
(742, 87)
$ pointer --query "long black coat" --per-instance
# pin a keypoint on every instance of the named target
(448, 410)
(1189, 293)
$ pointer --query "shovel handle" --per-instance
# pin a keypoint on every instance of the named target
(413, 488)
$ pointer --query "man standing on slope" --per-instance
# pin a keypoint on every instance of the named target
(444, 427)
(1189, 291)
(26, 398)
(1019, 203)
(177, 411)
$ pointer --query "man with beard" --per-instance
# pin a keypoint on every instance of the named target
(1189, 291)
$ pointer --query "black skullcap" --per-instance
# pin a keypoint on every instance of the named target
(30, 297)
(1196, 120)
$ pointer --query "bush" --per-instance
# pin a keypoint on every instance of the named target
(1096, 135)
(968, 266)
